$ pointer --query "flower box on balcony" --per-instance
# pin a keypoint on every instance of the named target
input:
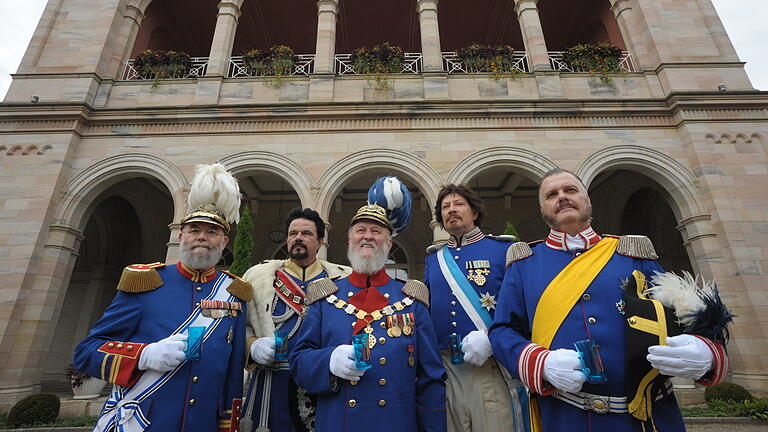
(498, 60)
(162, 64)
(601, 59)
(277, 61)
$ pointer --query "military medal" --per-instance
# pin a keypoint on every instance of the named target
(477, 270)
(396, 332)
(229, 336)
(488, 301)
(371, 341)
(411, 360)
(368, 329)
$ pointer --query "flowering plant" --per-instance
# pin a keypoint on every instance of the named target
(162, 64)
(377, 61)
(498, 60)
(602, 59)
(276, 61)
(74, 376)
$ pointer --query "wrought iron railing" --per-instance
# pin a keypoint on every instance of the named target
(412, 64)
(199, 66)
(305, 65)
(453, 64)
(556, 60)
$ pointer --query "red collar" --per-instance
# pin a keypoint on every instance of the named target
(196, 275)
(364, 281)
(556, 239)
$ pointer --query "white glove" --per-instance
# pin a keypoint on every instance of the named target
(684, 356)
(165, 354)
(476, 347)
(263, 351)
(342, 363)
(561, 368)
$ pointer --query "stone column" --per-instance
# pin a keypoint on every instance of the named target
(119, 48)
(622, 10)
(325, 48)
(439, 235)
(533, 34)
(321, 81)
(223, 37)
(430, 35)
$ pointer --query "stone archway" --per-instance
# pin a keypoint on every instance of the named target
(272, 185)
(507, 179)
(344, 189)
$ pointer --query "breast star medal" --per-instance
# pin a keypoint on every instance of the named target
(488, 301)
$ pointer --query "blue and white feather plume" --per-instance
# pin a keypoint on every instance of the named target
(391, 194)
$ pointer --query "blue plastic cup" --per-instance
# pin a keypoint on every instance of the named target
(454, 346)
(591, 362)
(362, 352)
(194, 342)
(281, 345)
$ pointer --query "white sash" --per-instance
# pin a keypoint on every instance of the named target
(121, 412)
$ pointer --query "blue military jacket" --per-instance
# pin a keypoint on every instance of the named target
(153, 301)
(482, 259)
(404, 391)
(596, 315)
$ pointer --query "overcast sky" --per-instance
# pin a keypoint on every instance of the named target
(745, 21)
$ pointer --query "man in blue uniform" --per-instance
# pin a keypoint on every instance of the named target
(404, 389)
(568, 289)
(173, 339)
(464, 278)
(275, 403)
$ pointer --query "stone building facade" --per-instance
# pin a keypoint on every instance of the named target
(95, 161)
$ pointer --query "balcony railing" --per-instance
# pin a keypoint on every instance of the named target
(453, 64)
(412, 64)
(304, 66)
(199, 66)
(556, 60)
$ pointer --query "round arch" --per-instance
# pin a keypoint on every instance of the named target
(287, 169)
(81, 191)
(333, 180)
(676, 179)
(529, 163)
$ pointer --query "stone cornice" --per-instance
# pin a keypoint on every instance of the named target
(677, 109)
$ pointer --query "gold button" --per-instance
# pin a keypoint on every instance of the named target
(191, 402)
(382, 381)
(129, 347)
(383, 360)
(352, 403)
(119, 345)
(586, 297)
(199, 288)
(383, 324)
(194, 379)
(111, 345)
(382, 340)
(632, 320)
(386, 295)
(382, 402)
(354, 382)
(349, 294)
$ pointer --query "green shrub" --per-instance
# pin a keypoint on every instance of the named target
(34, 409)
(757, 408)
(727, 391)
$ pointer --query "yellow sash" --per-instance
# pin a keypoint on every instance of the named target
(560, 296)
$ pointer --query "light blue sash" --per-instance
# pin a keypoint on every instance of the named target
(463, 291)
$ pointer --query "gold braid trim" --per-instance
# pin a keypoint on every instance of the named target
(139, 279)
(239, 288)
(518, 251)
(320, 289)
(636, 246)
(417, 290)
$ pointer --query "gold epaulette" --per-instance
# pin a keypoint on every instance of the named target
(139, 278)
(320, 289)
(518, 251)
(636, 246)
(239, 288)
(417, 291)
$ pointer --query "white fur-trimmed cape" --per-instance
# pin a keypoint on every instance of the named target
(262, 277)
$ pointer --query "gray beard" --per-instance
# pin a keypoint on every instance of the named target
(199, 262)
(367, 265)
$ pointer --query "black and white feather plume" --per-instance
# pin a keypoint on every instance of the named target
(213, 184)
(696, 302)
